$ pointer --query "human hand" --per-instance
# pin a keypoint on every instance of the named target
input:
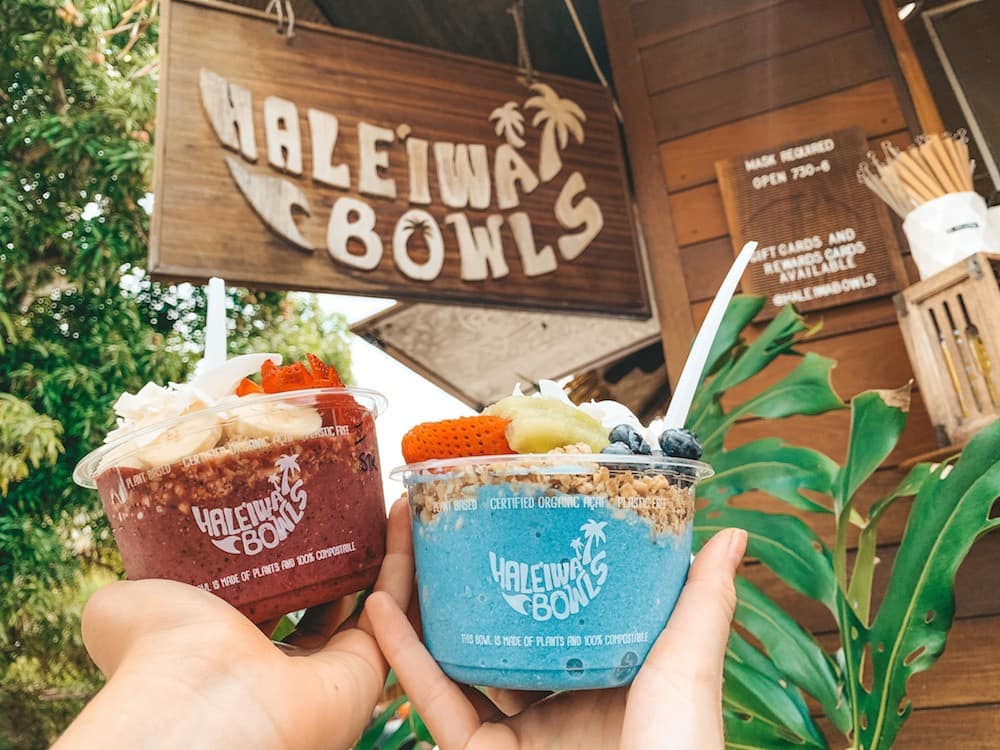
(187, 670)
(674, 702)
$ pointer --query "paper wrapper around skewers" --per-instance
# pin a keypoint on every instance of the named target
(929, 186)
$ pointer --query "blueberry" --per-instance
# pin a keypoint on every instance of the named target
(628, 435)
(618, 448)
(621, 433)
(680, 444)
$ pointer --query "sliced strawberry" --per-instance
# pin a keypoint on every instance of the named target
(247, 386)
(297, 377)
(320, 369)
(269, 376)
(455, 438)
(294, 377)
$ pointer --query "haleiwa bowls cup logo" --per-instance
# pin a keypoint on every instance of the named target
(256, 525)
(546, 590)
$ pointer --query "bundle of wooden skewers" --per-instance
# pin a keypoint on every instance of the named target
(933, 166)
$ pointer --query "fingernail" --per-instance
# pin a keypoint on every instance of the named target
(737, 546)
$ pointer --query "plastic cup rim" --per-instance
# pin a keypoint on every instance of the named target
(557, 461)
(84, 474)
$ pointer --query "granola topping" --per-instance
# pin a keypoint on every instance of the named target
(662, 498)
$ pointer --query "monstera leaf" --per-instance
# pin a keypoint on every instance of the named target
(805, 390)
(859, 593)
(732, 361)
(762, 702)
(793, 651)
(907, 634)
(728, 340)
(773, 466)
(746, 732)
(950, 512)
(784, 543)
(751, 694)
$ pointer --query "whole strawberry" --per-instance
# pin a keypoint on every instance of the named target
(455, 438)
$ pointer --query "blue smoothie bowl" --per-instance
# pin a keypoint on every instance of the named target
(549, 571)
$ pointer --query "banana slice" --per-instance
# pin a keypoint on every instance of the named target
(183, 439)
(270, 420)
(122, 457)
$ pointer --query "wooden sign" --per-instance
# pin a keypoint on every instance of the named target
(823, 239)
(339, 162)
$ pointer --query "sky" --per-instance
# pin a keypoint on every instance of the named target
(412, 398)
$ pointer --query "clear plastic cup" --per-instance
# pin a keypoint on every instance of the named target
(549, 572)
(272, 502)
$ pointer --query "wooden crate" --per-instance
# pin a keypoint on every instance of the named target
(951, 326)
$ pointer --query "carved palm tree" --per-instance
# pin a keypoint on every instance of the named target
(593, 532)
(560, 118)
(577, 546)
(274, 479)
(509, 123)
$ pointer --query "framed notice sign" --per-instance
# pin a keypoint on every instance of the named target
(340, 162)
(823, 239)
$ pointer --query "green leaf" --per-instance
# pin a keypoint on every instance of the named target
(745, 732)
(733, 362)
(775, 340)
(284, 628)
(794, 651)
(397, 739)
(773, 466)
(805, 390)
(784, 543)
(752, 694)
(420, 730)
(369, 740)
(783, 710)
(877, 421)
(908, 634)
(860, 590)
(28, 440)
(8, 331)
(740, 313)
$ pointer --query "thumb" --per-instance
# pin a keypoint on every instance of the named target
(695, 637)
(684, 667)
(132, 616)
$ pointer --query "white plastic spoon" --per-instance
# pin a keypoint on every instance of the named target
(215, 325)
(680, 404)
(215, 376)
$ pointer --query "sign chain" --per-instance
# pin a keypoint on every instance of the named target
(516, 10)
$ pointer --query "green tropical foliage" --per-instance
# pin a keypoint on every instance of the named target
(862, 686)
(81, 322)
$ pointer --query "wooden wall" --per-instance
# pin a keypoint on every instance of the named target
(718, 78)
